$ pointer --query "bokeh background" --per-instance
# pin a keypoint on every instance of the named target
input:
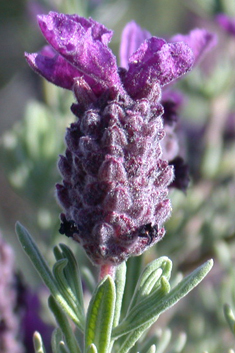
(33, 118)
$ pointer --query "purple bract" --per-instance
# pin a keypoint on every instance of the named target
(115, 182)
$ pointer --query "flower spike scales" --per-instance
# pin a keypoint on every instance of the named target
(115, 182)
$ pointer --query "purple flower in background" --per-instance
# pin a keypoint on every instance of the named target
(9, 320)
(115, 181)
(227, 23)
(19, 308)
(31, 320)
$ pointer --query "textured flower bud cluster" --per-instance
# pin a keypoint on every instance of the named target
(115, 181)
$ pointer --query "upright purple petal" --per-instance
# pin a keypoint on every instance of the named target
(132, 37)
(99, 31)
(83, 44)
(227, 23)
(199, 40)
(159, 61)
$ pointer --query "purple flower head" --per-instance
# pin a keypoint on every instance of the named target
(227, 23)
(115, 181)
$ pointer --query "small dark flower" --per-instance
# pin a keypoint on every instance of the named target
(181, 170)
(115, 182)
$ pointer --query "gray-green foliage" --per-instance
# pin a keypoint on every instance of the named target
(101, 328)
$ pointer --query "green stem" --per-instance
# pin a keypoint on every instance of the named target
(106, 270)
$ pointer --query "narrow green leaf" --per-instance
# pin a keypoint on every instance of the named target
(134, 269)
(163, 341)
(120, 280)
(152, 306)
(64, 325)
(145, 305)
(56, 337)
(73, 275)
(63, 348)
(65, 289)
(43, 269)
(38, 261)
(150, 279)
(179, 343)
(147, 342)
(229, 315)
(152, 349)
(100, 316)
(92, 349)
(133, 337)
(38, 343)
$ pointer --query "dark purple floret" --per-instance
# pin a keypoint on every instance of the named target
(115, 179)
(181, 171)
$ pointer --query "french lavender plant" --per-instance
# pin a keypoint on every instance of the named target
(115, 178)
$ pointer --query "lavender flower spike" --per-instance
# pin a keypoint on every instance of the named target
(115, 184)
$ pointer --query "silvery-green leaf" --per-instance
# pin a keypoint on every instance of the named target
(73, 274)
(120, 280)
(56, 337)
(163, 340)
(100, 316)
(151, 307)
(152, 349)
(63, 348)
(133, 337)
(65, 289)
(229, 315)
(134, 268)
(44, 271)
(64, 325)
(38, 343)
(92, 349)
(150, 279)
(179, 343)
(135, 334)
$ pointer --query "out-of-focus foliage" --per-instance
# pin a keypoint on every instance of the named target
(33, 119)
